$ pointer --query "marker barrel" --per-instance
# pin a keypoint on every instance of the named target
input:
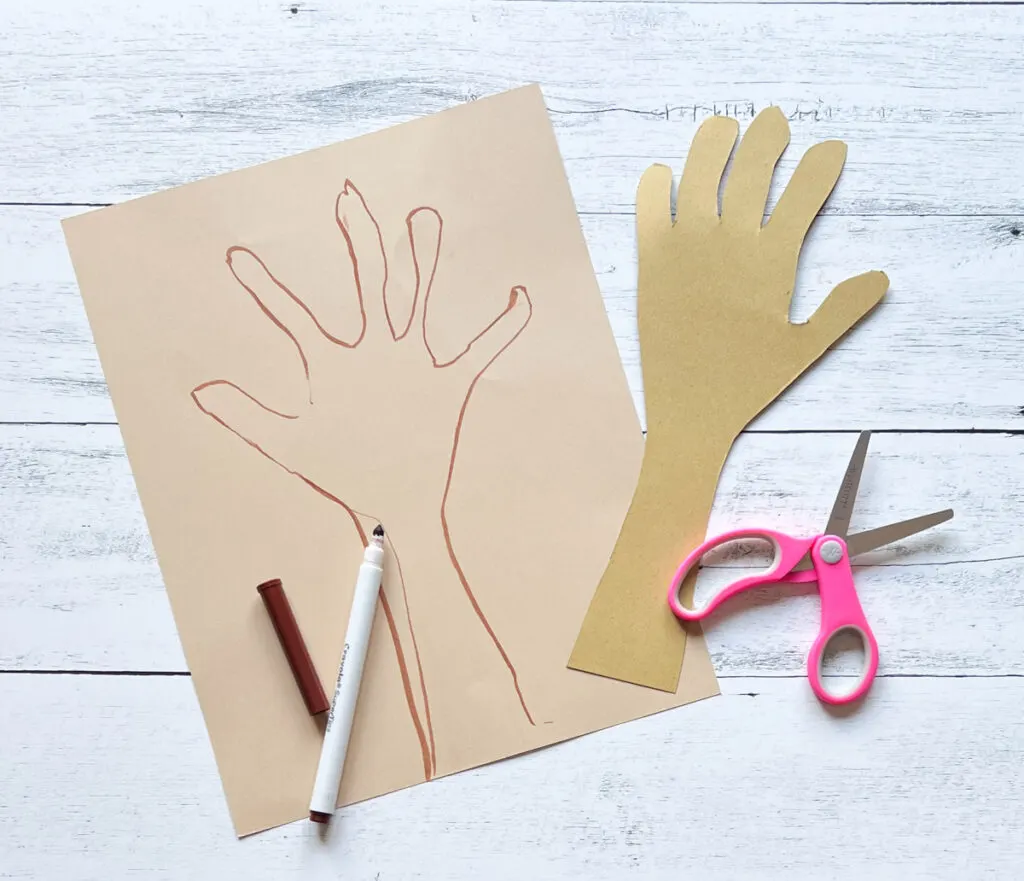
(346, 693)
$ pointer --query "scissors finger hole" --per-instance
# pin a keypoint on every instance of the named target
(749, 556)
(843, 662)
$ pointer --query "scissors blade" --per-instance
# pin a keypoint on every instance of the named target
(863, 542)
(839, 520)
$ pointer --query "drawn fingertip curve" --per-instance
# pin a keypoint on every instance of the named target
(339, 213)
(201, 399)
(350, 189)
(517, 292)
(229, 254)
(423, 210)
(237, 256)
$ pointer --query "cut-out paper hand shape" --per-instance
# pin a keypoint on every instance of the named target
(377, 433)
(717, 347)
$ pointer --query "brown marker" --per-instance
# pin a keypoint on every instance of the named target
(294, 646)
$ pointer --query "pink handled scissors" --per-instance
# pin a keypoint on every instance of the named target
(824, 558)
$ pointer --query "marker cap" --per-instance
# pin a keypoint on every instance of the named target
(294, 646)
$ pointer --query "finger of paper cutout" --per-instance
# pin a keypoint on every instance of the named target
(750, 178)
(806, 193)
(654, 198)
(843, 308)
(712, 145)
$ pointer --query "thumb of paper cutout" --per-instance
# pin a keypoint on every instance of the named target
(717, 347)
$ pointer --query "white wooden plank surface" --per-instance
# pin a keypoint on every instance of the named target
(104, 101)
(957, 278)
(81, 589)
(106, 775)
(113, 778)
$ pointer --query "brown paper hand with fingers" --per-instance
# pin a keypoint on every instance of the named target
(717, 347)
(401, 410)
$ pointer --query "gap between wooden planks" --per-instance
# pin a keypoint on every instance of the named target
(942, 351)
(167, 98)
(82, 590)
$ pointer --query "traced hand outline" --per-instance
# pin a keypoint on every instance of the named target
(340, 381)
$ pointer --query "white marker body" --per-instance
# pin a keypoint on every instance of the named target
(350, 674)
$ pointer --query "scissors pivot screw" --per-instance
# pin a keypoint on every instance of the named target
(831, 551)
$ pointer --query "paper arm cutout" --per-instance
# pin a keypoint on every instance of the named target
(717, 347)
(379, 427)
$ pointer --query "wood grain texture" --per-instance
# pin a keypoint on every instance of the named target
(956, 278)
(108, 774)
(81, 589)
(113, 100)
(921, 783)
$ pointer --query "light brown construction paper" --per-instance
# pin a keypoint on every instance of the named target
(717, 347)
(273, 410)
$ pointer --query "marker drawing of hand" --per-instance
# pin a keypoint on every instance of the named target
(377, 433)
